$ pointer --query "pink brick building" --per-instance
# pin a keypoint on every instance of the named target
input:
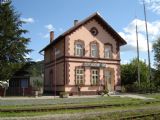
(87, 58)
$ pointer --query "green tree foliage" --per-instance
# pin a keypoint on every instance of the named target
(13, 45)
(156, 49)
(129, 72)
(36, 69)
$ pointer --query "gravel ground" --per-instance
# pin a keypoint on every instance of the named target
(51, 100)
(12, 102)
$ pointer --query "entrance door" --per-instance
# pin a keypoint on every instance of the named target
(108, 80)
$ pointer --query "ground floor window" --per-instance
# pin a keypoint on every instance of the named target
(79, 76)
(94, 76)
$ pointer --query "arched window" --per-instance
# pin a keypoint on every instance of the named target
(79, 48)
(108, 51)
(94, 47)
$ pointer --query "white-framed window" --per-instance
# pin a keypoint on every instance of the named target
(108, 75)
(108, 51)
(94, 76)
(79, 76)
(79, 49)
(94, 50)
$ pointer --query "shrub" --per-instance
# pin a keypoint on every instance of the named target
(37, 84)
(103, 92)
(63, 95)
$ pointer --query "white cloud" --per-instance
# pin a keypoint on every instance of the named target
(129, 34)
(28, 20)
(37, 60)
(50, 27)
(125, 62)
(153, 5)
(27, 56)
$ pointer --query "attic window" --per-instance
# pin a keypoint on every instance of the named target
(94, 31)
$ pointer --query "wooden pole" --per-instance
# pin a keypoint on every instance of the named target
(138, 66)
(149, 63)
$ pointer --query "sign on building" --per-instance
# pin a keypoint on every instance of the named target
(94, 64)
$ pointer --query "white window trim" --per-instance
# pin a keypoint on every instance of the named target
(108, 53)
(78, 76)
(78, 49)
(94, 50)
(93, 74)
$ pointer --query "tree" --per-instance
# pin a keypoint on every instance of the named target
(129, 72)
(156, 50)
(13, 45)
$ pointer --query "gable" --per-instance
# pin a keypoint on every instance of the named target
(83, 33)
(100, 20)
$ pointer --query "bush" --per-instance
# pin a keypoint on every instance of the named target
(123, 89)
(103, 92)
(145, 87)
(37, 84)
(63, 95)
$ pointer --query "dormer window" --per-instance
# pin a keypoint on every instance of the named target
(79, 48)
(94, 50)
(108, 51)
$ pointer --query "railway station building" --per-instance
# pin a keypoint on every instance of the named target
(85, 58)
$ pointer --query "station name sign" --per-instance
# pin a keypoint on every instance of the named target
(94, 64)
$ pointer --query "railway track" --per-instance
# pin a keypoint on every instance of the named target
(72, 107)
(60, 108)
(154, 115)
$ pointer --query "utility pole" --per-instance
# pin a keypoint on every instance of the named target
(138, 66)
(149, 63)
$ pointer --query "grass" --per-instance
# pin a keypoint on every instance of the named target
(129, 107)
(127, 110)
(153, 95)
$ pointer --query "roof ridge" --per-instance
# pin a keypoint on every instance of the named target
(83, 21)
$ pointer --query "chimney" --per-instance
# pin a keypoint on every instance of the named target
(75, 22)
(51, 36)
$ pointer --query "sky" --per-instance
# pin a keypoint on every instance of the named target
(58, 15)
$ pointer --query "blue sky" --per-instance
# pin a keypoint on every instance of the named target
(58, 15)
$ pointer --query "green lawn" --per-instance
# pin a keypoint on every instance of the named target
(121, 107)
(153, 95)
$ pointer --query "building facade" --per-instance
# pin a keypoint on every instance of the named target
(85, 58)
